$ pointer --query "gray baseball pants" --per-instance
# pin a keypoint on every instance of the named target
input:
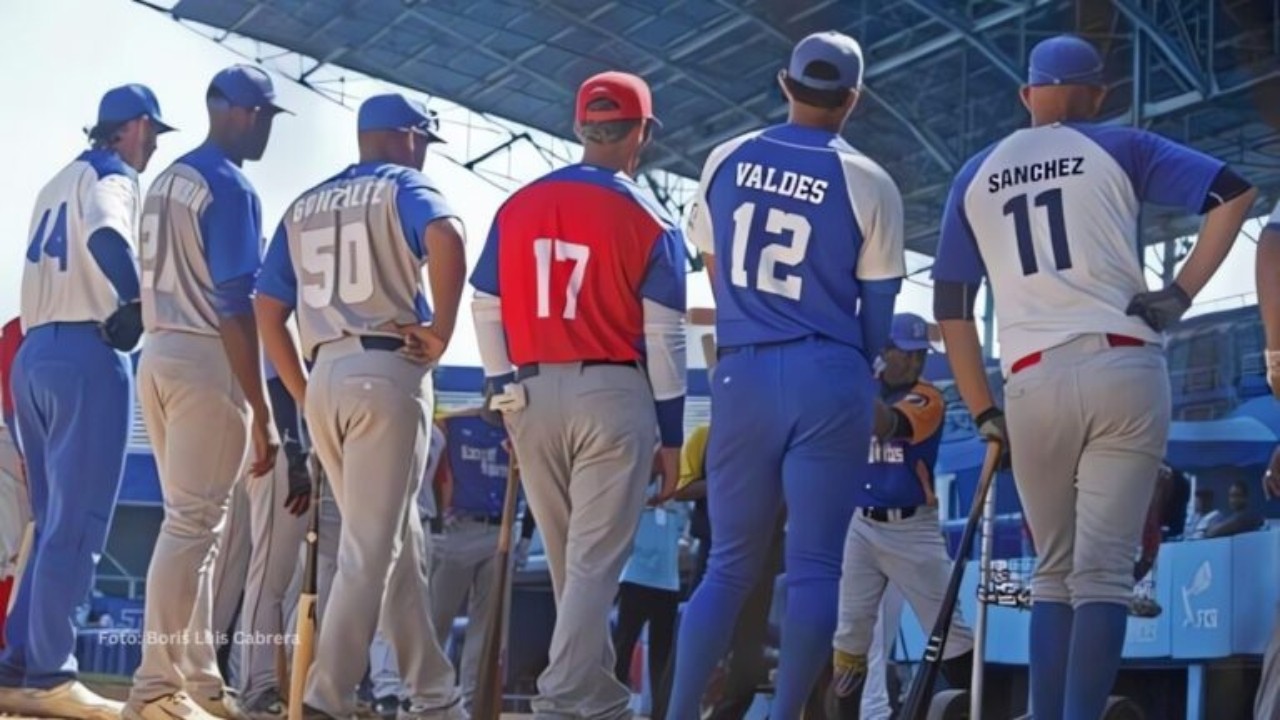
(367, 411)
(585, 443)
(198, 422)
(1087, 431)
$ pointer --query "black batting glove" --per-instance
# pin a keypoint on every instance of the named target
(124, 327)
(993, 427)
(298, 501)
(1162, 308)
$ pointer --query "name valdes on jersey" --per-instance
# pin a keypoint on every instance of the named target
(797, 221)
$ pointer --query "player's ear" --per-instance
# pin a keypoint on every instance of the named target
(1025, 94)
(851, 102)
(782, 84)
(1099, 95)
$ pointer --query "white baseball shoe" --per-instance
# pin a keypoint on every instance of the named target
(178, 706)
(70, 700)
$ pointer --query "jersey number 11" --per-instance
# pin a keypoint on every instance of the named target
(1051, 201)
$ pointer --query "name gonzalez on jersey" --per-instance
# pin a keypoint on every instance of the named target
(1035, 172)
(792, 184)
(365, 191)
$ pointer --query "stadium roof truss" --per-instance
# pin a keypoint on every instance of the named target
(942, 76)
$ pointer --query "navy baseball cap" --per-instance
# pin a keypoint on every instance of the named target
(121, 104)
(247, 86)
(1064, 60)
(397, 112)
(909, 332)
(837, 51)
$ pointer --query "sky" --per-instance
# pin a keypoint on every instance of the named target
(61, 55)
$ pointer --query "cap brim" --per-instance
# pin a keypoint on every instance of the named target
(162, 126)
(912, 345)
(276, 109)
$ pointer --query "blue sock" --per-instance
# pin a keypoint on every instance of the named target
(1051, 624)
(1097, 640)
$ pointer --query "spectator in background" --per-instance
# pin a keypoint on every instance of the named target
(1267, 702)
(10, 339)
(650, 594)
(1240, 518)
(1176, 500)
(1203, 516)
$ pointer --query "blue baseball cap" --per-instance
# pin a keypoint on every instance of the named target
(1064, 60)
(121, 104)
(835, 50)
(394, 111)
(909, 332)
(247, 86)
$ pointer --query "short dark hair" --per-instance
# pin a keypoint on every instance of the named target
(1240, 485)
(609, 131)
(826, 99)
(104, 133)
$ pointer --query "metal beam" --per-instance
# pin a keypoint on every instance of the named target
(966, 30)
(936, 149)
(946, 40)
(1145, 24)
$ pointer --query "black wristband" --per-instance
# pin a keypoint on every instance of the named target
(990, 413)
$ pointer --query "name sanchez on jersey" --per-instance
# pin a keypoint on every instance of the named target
(1035, 172)
(791, 184)
(343, 195)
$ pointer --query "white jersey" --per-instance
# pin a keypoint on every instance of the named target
(1050, 216)
(61, 281)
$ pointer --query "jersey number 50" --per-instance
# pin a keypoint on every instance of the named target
(790, 254)
(336, 256)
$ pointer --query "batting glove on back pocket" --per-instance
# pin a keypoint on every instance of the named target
(122, 329)
(1162, 308)
(300, 481)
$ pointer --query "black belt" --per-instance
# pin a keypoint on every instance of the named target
(524, 372)
(381, 342)
(887, 514)
(481, 518)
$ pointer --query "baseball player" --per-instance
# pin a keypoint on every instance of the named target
(275, 522)
(581, 287)
(201, 386)
(348, 256)
(1049, 216)
(71, 386)
(475, 471)
(10, 341)
(811, 233)
(894, 536)
(1267, 703)
(384, 677)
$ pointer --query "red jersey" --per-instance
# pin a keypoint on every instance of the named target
(572, 256)
(10, 339)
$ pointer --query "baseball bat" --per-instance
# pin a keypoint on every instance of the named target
(305, 623)
(20, 567)
(921, 693)
(488, 694)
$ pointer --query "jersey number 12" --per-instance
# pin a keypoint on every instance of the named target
(790, 254)
(1051, 201)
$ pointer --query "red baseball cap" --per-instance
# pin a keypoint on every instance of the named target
(629, 92)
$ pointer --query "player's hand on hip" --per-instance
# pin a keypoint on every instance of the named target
(266, 443)
(298, 500)
(1273, 371)
(1271, 478)
(668, 461)
(421, 344)
(1160, 309)
(122, 329)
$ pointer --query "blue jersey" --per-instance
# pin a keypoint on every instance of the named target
(357, 242)
(797, 220)
(201, 243)
(1049, 216)
(478, 464)
(899, 470)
